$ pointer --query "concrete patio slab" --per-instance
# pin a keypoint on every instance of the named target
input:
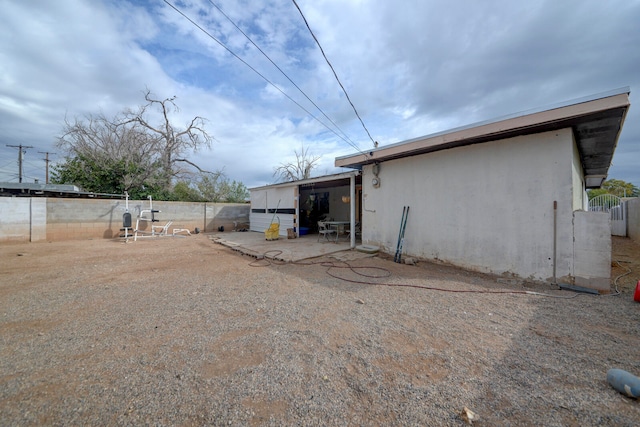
(255, 244)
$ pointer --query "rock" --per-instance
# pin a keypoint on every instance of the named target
(469, 416)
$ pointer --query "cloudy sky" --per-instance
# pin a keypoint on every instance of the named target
(410, 67)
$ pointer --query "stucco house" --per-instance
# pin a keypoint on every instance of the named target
(506, 196)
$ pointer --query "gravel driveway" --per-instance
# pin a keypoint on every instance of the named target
(182, 331)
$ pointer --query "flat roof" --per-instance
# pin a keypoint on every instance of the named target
(26, 189)
(596, 121)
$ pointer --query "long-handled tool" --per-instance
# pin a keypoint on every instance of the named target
(395, 257)
(403, 226)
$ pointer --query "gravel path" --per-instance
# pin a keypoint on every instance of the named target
(186, 332)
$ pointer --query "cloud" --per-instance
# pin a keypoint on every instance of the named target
(411, 68)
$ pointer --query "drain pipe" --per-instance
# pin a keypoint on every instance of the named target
(555, 238)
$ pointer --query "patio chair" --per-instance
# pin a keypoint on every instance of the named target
(326, 231)
(356, 230)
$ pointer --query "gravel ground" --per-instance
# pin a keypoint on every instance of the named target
(186, 332)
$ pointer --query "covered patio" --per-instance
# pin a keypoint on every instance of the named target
(301, 205)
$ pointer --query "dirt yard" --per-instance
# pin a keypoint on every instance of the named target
(182, 331)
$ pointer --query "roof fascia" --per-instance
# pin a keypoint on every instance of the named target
(508, 124)
(325, 178)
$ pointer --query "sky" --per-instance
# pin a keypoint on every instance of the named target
(410, 68)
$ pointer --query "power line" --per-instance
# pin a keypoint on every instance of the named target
(334, 73)
(284, 74)
(254, 70)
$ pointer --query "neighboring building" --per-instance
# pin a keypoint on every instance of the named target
(506, 196)
(35, 189)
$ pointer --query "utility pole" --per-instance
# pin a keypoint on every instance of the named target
(20, 154)
(46, 161)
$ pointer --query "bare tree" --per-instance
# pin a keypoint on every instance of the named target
(154, 153)
(171, 143)
(301, 169)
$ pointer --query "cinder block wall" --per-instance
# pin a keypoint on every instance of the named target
(592, 250)
(633, 219)
(34, 219)
(70, 219)
(15, 215)
(226, 215)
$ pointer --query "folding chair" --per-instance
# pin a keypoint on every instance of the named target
(326, 231)
(356, 229)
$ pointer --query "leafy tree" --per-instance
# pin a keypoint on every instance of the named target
(300, 169)
(183, 191)
(235, 192)
(617, 188)
(98, 174)
(217, 188)
(209, 187)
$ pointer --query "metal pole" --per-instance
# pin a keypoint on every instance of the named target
(555, 238)
(20, 153)
(46, 161)
(352, 210)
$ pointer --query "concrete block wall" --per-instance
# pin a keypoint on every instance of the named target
(38, 219)
(35, 219)
(22, 219)
(633, 219)
(225, 214)
(71, 219)
(592, 250)
(15, 213)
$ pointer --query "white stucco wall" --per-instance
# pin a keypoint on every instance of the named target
(633, 219)
(580, 199)
(272, 198)
(487, 207)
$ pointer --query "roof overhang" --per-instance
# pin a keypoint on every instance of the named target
(325, 179)
(596, 122)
